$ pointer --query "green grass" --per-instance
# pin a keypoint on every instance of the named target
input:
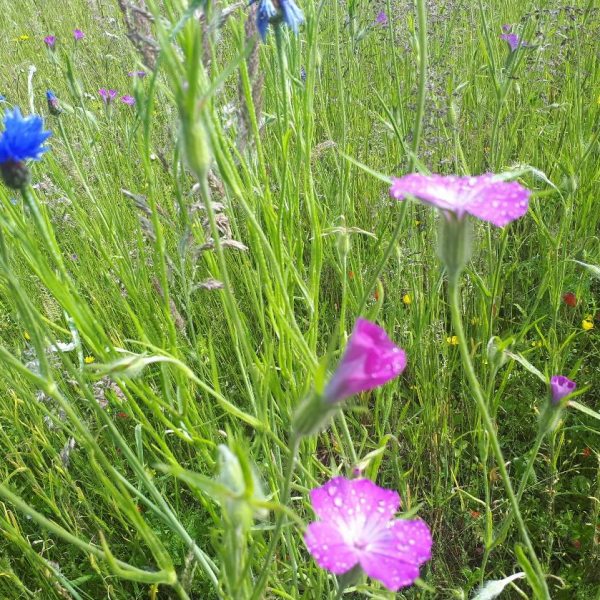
(89, 266)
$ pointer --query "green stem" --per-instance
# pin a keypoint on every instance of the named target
(285, 496)
(422, 21)
(489, 425)
(348, 439)
(282, 71)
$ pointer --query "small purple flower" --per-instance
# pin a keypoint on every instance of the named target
(50, 41)
(506, 28)
(485, 197)
(370, 360)
(139, 74)
(129, 100)
(78, 34)
(357, 527)
(303, 74)
(381, 18)
(513, 41)
(561, 386)
(107, 95)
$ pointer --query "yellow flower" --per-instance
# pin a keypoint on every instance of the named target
(587, 324)
(452, 340)
(27, 336)
(88, 360)
(417, 223)
(15, 39)
(406, 299)
(538, 344)
(474, 321)
(598, 99)
(24, 38)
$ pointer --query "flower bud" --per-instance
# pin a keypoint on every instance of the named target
(15, 174)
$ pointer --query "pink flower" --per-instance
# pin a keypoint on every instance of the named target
(357, 527)
(370, 360)
(50, 41)
(139, 74)
(512, 39)
(485, 197)
(79, 35)
(129, 100)
(107, 95)
(506, 28)
(381, 18)
(561, 386)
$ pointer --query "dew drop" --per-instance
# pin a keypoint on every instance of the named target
(338, 501)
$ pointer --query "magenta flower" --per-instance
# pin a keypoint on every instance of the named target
(513, 41)
(561, 386)
(370, 360)
(381, 18)
(129, 100)
(357, 527)
(107, 95)
(139, 74)
(485, 197)
(506, 28)
(78, 34)
(50, 41)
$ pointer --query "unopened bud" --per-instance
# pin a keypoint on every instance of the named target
(15, 174)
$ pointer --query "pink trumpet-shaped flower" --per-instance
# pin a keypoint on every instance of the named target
(107, 95)
(50, 41)
(486, 197)
(357, 527)
(513, 41)
(561, 386)
(129, 100)
(78, 34)
(370, 360)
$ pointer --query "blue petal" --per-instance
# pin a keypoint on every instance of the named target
(292, 15)
(50, 95)
(22, 138)
(266, 11)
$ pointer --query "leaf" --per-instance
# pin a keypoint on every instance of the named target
(492, 589)
(584, 409)
(594, 269)
(523, 361)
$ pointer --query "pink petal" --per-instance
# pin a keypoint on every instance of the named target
(395, 555)
(327, 546)
(371, 359)
(341, 500)
(498, 202)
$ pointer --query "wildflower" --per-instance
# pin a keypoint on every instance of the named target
(587, 324)
(586, 452)
(53, 103)
(452, 340)
(576, 544)
(513, 41)
(27, 336)
(570, 298)
(357, 528)
(381, 18)
(50, 41)
(78, 34)
(485, 197)
(129, 100)
(351, 274)
(417, 223)
(2, 99)
(474, 321)
(303, 74)
(24, 37)
(123, 415)
(140, 74)
(475, 514)
(107, 95)
(21, 140)
(88, 360)
(406, 299)
(506, 28)
(276, 11)
(370, 360)
(560, 387)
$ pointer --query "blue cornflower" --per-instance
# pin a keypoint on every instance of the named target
(2, 98)
(21, 140)
(276, 11)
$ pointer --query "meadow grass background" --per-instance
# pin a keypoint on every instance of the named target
(97, 269)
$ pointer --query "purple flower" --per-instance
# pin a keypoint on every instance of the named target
(50, 41)
(506, 28)
(107, 95)
(370, 360)
(561, 386)
(79, 35)
(485, 197)
(129, 100)
(303, 74)
(357, 527)
(139, 74)
(513, 40)
(381, 18)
